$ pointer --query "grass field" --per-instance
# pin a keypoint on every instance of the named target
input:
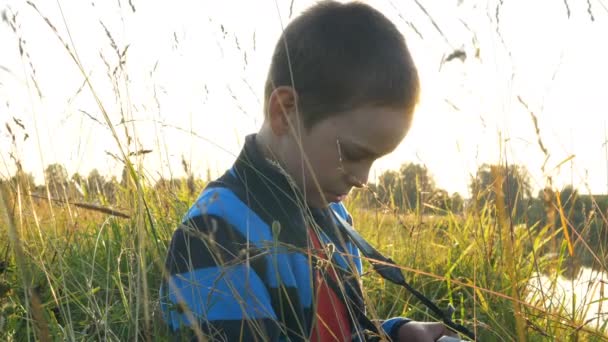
(74, 273)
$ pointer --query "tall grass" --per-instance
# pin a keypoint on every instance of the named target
(95, 278)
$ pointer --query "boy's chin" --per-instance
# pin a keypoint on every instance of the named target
(334, 198)
(325, 201)
(317, 203)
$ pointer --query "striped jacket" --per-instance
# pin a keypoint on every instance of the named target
(241, 267)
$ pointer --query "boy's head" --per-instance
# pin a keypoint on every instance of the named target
(341, 88)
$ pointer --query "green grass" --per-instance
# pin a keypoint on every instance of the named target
(75, 274)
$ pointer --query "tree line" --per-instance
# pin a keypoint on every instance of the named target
(93, 187)
(410, 189)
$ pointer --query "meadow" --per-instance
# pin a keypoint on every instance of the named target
(76, 271)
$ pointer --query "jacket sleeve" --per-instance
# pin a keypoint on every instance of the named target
(210, 288)
(391, 327)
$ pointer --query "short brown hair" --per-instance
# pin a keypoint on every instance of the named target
(342, 56)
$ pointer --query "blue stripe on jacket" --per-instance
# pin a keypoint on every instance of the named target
(220, 293)
(224, 203)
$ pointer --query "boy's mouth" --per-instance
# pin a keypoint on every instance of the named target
(333, 197)
(341, 198)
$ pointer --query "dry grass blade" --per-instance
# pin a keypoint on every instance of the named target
(536, 128)
(433, 22)
(564, 221)
(88, 206)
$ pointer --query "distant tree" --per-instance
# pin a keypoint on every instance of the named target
(21, 180)
(371, 196)
(457, 203)
(78, 178)
(95, 183)
(57, 179)
(406, 188)
(25, 180)
(584, 219)
(536, 212)
(366, 197)
(56, 173)
(516, 189)
(77, 186)
(441, 200)
(110, 190)
(569, 198)
(124, 178)
(418, 185)
(169, 185)
(574, 208)
(390, 188)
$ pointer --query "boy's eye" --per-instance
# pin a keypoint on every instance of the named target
(352, 156)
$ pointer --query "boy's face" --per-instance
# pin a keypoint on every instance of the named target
(341, 150)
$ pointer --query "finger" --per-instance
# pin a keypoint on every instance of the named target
(437, 330)
(449, 332)
(448, 339)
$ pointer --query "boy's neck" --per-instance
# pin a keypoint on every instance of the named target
(263, 141)
(264, 144)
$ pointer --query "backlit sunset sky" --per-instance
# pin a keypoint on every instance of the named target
(200, 66)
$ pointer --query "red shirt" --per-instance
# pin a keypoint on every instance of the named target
(332, 319)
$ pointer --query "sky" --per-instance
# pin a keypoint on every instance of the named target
(192, 81)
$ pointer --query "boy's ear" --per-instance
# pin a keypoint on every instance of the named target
(281, 106)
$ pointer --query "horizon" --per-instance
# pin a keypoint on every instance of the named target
(216, 63)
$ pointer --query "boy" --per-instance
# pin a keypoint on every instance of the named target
(260, 255)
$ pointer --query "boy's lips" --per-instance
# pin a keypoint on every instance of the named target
(334, 197)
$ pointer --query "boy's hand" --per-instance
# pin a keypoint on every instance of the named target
(423, 332)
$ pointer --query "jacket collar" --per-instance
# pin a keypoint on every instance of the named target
(267, 189)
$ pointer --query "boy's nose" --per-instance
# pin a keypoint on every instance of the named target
(353, 181)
